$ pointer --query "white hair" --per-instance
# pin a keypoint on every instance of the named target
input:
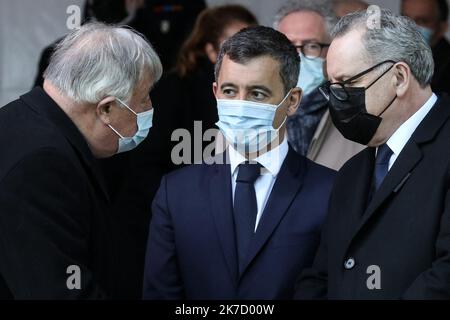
(322, 7)
(99, 60)
(397, 38)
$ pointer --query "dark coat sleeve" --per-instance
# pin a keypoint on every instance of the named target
(44, 228)
(162, 279)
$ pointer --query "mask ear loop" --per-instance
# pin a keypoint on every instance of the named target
(115, 131)
(385, 109)
(136, 114)
(285, 118)
(282, 124)
(284, 99)
(111, 127)
(382, 75)
(126, 106)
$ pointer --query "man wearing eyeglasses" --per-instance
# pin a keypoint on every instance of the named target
(387, 234)
(311, 133)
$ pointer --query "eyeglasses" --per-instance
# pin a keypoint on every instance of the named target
(339, 89)
(311, 49)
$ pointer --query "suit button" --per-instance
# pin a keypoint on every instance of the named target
(349, 263)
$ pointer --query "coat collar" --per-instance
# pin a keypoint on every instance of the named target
(408, 159)
(288, 184)
(39, 101)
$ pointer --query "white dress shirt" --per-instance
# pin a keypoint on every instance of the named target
(400, 137)
(271, 162)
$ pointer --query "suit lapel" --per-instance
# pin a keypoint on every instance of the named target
(406, 162)
(221, 207)
(285, 189)
(357, 193)
(362, 178)
(401, 170)
(408, 159)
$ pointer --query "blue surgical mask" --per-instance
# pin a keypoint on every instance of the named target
(427, 33)
(144, 123)
(311, 73)
(248, 125)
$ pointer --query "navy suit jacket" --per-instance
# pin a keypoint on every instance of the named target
(191, 251)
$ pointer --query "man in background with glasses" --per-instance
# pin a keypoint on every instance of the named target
(387, 234)
(307, 24)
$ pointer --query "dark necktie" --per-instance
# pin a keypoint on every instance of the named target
(384, 153)
(245, 207)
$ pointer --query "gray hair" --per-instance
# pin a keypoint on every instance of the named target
(323, 7)
(100, 60)
(397, 38)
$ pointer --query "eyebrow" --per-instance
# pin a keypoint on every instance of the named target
(254, 87)
(259, 87)
(311, 40)
(227, 84)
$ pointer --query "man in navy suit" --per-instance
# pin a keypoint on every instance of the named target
(246, 225)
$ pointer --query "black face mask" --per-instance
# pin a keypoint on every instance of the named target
(349, 114)
(351, 117)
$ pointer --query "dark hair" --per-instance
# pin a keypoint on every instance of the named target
(254, 42)
(106, 11)
(209, 27)
(443, 10)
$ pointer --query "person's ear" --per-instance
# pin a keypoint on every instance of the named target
(211, 52)
(214, 88)
(294, 101)
(402, 78)
(104, 109)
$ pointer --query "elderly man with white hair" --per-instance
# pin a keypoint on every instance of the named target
(55, 237)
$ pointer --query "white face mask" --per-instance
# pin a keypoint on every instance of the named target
(248, 125)
(144, 123)
(311, 73)
(426, 33)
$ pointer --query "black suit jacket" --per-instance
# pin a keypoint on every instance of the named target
(53, 205)
(404, 230)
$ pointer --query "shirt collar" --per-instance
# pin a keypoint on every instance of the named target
(400, 137)
(271, 160)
